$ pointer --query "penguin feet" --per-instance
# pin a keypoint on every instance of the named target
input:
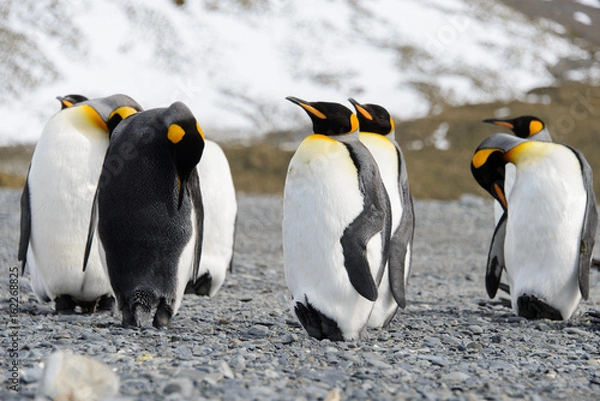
(132, 314)
(316, 324)
(531, 307)
(201, 286)
(164, 313)
(106, 303)
(64, 305)
(87, 307)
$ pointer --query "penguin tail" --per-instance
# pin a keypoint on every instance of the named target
(531, 307)
(317, 324)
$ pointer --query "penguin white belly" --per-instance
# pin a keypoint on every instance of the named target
(220, 210)
(62, 181)
(321, 199)
(185, 266)
(545, 217)
(385, 154)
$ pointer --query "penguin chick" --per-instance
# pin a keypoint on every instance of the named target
(336, 226)
(148, 212)
(56, 203)
(377, 131)
(220, 215)
(545, 239)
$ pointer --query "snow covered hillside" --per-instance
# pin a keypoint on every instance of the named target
(234, 61)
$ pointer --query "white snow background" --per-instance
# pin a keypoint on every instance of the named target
(234, 61)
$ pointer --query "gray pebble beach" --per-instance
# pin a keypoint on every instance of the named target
(450, 343)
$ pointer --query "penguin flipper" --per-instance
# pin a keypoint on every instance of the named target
(198, 205)
(402, 239)
(25, 233)
(590, 225)
(495, 262)
(91, 230)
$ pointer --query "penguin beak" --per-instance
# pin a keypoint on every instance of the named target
(502, 123)
(360, 109)
(181, 184)
(307, 107)
(64, 102)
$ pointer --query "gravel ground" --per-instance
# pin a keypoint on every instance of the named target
(450, 343)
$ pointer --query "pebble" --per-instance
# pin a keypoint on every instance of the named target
(450, 342)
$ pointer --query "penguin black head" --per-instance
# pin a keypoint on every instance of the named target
(328, 118)
(108, 112)
(373, 118)
(523, 127)
(489, 161)
(70, 100)
(186, 141)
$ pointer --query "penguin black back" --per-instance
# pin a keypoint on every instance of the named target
(148, 215)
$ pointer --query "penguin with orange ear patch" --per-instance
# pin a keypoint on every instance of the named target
(149, 212)
(336, 226)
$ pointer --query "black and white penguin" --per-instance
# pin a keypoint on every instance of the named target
(57, 199)
(545, 239)
(526, 127)
(148, 212)
(377, 132)
(336, 226)
(220, 215)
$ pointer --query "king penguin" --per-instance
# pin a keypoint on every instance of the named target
(220, 214)
(526, 127)
(547, 241)
(377, 132)
(148, 212)
(57, 199)
(336, 226)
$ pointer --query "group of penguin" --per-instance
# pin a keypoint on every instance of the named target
(348, 220)
(126, 203)
(137, 205)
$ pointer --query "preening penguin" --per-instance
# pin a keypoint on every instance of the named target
(377, 132)
(148, 212)
(526, 127)
(57, 199)
(336, 226)
(547, 240)
(220, 213)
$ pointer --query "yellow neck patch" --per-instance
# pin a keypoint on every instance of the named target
(313, 111)
(353, 123)
(66, 103)
(363, 112)
(480, 158)
(175, 133)
(93, 116)
(535, 126)
(123, 111)
(200, 130)
(392, 125)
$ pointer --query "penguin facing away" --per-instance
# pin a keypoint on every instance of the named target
(56, 203)
(377, 133)
(220, 214)
(336, 226)
(148, 212)
(546, 243)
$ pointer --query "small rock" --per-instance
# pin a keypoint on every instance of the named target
(333, 395)
(183, 386)
(225, 369)
(455, 377)
(144, 357)
(77, 377)
(258, 331)
(213, 378)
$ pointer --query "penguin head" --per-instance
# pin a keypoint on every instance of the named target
(328, 118)
(489, 161)
(108, 112)
(70, 100)
(373, 118)
(186, 141)
(523, 127)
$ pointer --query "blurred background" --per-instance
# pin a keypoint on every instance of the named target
(439, 67)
